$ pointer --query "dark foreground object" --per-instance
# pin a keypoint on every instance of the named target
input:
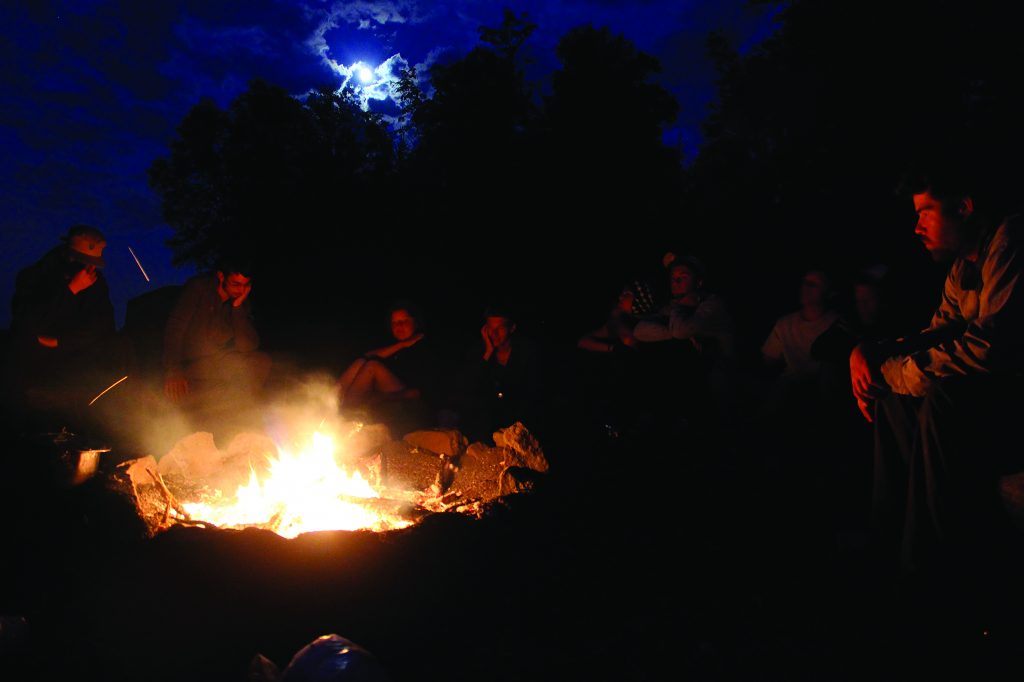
(632, 561)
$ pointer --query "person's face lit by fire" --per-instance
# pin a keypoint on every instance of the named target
(940, 224)
(403, 325)
(682, 281)
(499, 330)
(814, 290)
(234, 285)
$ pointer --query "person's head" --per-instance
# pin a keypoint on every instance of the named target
(867, 296)
(234, 276)
(685, 277)
(815, 290)
(405, 320)
(499, 325)
(85, 245)
(944, 200)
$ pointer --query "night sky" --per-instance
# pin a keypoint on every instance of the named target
(92, 91)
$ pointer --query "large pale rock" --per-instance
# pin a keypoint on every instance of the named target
(444, 442)
(522, 449)
(193, 457)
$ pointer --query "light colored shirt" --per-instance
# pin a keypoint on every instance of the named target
(710, 320)
(979, 324)
(791, 338)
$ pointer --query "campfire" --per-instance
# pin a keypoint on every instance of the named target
(301, 492)
(353, 478)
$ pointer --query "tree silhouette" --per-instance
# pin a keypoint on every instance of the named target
(811, 130)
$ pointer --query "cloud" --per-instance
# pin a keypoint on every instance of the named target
(363, 15)
(380, 87)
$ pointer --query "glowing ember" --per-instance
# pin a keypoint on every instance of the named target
(302, 492)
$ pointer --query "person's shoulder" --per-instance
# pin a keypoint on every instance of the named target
(1010, 230)
(51, 260)
(204, 280)
(788, 319)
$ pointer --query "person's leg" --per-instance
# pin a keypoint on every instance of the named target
(895, 437)
(349, 375)
(953, 499)
(374, 377)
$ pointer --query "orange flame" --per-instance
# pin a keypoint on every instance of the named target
(303, 492)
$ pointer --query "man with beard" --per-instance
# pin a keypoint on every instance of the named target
(944, 401)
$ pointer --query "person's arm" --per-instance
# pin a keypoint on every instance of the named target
(771, 349)
(989, 342)
(652, 330)
(42, 299)
(246, 339)
(597, 341)
(708, 319)
(388, 351)
(98, 323)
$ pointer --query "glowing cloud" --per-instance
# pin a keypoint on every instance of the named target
(377, 83)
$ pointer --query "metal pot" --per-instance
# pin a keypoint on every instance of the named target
(75, 464)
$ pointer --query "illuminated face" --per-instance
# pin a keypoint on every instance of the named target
(813, 289)
(940, 227)
(499, 331)
(234, 285)
(682, 281)
(403, 325)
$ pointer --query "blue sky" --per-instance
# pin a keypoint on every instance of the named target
(91, 92)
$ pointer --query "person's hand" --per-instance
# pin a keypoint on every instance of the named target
(83, 279)
(245, 294)
(866, 379)
(488, 344)
(176, 388)
(410, 341)
(48, 341)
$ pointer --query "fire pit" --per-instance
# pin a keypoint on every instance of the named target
(354, 477)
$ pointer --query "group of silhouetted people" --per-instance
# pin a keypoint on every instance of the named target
(661, 364)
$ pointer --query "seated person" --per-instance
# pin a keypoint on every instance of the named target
(63, 348)
(789, 343)
(501, 384)
(210, 344)
(635, 300)
(403, 371)
(703, 356)
(607, 375)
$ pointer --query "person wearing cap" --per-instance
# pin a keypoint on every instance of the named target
(62, 325)
(700, 320)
